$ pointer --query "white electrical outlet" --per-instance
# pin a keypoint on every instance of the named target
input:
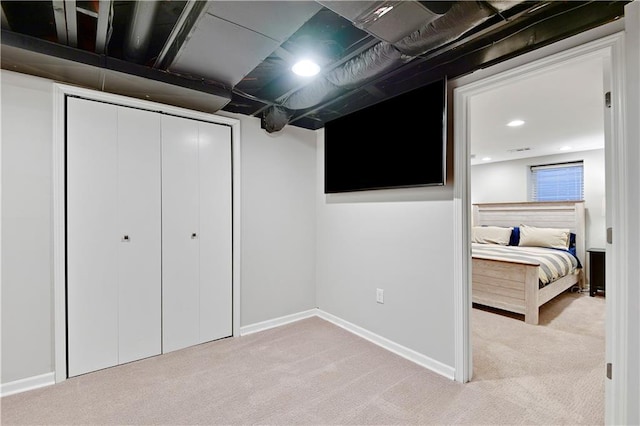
(379, 295)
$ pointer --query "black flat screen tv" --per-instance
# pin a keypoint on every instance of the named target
(397, 143)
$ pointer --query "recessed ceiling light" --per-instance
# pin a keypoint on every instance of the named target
(486, 158)
(515, 123)
(565, 148)
(306, 68)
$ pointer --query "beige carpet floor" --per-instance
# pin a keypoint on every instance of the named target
(313, 372)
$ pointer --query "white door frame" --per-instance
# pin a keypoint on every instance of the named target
(60, 93)
(607, 43)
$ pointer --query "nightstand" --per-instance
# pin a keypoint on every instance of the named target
(596, 271)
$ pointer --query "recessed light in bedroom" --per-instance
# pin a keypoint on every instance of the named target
(486, 158)
(515, 123)
(565, 148)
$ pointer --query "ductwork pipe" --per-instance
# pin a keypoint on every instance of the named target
(383, 57)
(380, 58)
(311, 94)
(137, 40)
(275, 118)
(459, 19)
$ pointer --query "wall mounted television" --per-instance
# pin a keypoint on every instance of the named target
(397, 143)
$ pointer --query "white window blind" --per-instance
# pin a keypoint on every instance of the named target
(557, 182)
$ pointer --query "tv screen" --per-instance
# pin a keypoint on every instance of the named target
(399, 142)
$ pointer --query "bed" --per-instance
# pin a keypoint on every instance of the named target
(512, 278)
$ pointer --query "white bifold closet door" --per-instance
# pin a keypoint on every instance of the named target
(196, 232)
(113, 235)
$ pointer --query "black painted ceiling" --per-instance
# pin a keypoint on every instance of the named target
(240, 52)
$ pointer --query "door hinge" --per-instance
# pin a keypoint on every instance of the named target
(609, 235)
(607, 99)
(609, 370)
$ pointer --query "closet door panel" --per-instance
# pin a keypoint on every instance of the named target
(215, 232)
(139, 256)
(92, 236)
(180, 251)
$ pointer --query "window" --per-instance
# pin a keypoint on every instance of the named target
(557, 182)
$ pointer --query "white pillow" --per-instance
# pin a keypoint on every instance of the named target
(531, 236)
(491, 235)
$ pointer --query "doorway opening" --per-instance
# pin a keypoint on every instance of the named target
(521, 173)
(605, 47)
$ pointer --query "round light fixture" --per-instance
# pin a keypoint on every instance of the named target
(306, 68)
(486, 158)
(565, 148)
(515, 123)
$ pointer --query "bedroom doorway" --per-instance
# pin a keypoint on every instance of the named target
(558, 142)
(603, 48)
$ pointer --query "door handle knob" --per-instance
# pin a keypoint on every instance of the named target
(194, 236)
(126, 239)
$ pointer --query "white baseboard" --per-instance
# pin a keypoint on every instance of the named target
(277, 322)
(410, 354)
(29, 383)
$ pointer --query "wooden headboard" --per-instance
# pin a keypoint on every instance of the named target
(552, 214)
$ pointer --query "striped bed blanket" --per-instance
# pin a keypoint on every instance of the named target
(553, 263)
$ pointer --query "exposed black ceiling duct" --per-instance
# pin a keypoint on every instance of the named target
(460, 17)
(275, 116)
(463, 16)
(380, 58)
(371, 50)
(388, 21)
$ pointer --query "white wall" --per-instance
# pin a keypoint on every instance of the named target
(507, 181)
(27, 307)
(399, 241)
(278, 224)
(278, 221)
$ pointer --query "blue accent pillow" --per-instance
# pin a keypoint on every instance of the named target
(515, 236)
(572, 248)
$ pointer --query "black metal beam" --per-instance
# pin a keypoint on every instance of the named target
(102, 61)
(45, 47)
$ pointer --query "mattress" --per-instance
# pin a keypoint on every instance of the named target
(554, 263)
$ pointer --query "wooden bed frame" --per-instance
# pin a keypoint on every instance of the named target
(513, 286)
